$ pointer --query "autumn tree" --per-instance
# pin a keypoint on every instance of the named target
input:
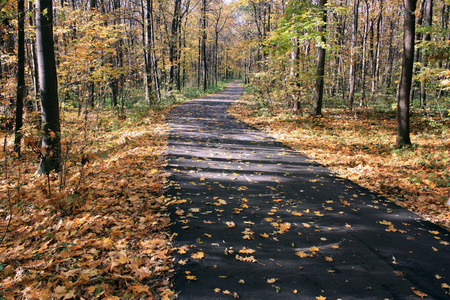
(403, 124)
(320, 73)
(51, 139)
(20, 74)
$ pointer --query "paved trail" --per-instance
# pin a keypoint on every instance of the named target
(256, 220)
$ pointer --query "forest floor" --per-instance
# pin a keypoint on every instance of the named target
(101, 232)
(359, 145)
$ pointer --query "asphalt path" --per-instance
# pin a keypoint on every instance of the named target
(254, 219)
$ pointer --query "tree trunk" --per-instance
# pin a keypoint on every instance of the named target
(51, 139)
(20, 75)
(173, 44)
(403, 130)
(352, 79)
(364, 58)
(427, 20)
(34, 67)
(204, 37)
(320, 72)
(147, 20)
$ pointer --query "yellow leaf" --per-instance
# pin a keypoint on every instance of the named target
(139, 288)
(191, 277)
(264, 235)
(247, 250)
(302, 254)
(328, 258)
(123, 260)
(321, 298)
(306, 225)
(272, 280)
(241, 281)
(419, 293)
(296, 213)
(391, 229)
(198, 255)
(284, 227)
(230, 224)
(384, 222)
(313, 249)
(295, 291)
(216, 290)
(335, 247)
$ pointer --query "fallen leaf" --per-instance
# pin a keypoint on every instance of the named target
(419, 293)
(230, 224)
(198, 255)
(272, 280)
(314, 249)
(302, 254)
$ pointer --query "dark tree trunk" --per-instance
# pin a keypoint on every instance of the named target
(20, 75)
(204, 37)
(320, 72)
(173, 43)
(427, 20)
(34, 67)
(403, 130)
(51, 139)
(352, 79)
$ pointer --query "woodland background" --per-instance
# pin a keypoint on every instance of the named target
(98, 226)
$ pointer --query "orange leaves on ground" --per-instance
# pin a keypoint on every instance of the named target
(104, 232)
(361, 149)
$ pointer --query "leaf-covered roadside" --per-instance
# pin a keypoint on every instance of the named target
(103, 235)
(359, 146)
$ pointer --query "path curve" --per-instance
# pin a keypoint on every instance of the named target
(254, 219)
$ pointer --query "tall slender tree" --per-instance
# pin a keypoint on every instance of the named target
(403, 124)
(320, 72)
(20, 75)
(352, 79)
(51, 139)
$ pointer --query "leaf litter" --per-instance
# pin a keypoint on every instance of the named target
(103, 234)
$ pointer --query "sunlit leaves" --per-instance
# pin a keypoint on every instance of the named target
(85, 230)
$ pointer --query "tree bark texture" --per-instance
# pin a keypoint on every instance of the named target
(51, 139)
(20, 75)
(352, 79)
(403, 124)
(320, 72)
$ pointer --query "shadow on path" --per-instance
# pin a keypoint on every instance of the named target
(256, 220)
